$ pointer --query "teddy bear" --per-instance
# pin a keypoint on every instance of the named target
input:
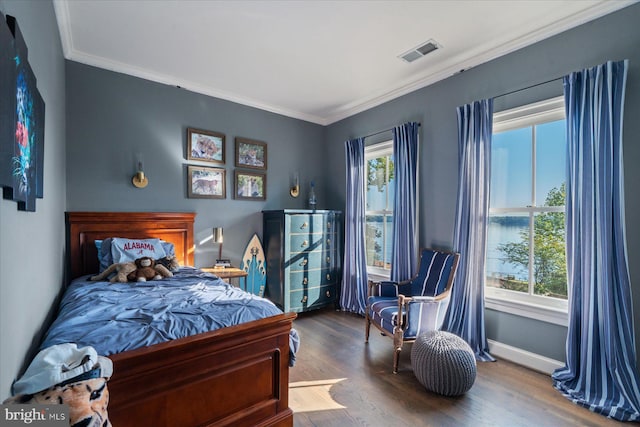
(122, 270)
(147, 269)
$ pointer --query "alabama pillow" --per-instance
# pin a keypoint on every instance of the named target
(127, 250)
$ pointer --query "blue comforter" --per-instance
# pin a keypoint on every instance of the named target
(116, 317)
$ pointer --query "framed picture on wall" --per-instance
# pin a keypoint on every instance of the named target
(8, 104)
(250, 185)
(251, 154)
(21, 121)
(204, 145)
(207, 183)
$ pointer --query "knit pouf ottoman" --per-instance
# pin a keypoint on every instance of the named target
(443, 363)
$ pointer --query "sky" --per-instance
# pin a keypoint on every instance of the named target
(511, 164)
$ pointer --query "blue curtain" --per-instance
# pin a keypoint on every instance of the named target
(600, 372)
(354, 278)
(465, 315)
(404, 253)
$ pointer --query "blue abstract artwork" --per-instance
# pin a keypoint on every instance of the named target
(21, 122)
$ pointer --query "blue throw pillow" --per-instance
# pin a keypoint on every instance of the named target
(169, 250)
(103, 247)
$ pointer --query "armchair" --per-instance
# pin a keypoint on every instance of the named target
(407, 309)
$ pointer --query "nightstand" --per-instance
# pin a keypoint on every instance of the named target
(225, 272)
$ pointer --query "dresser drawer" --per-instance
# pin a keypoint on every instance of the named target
(311, 278)
(314, 223)
(311, 242)
(304, 223)
(303, 261)
(307, 299)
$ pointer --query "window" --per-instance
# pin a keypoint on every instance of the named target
(525, 264)
(379, 193)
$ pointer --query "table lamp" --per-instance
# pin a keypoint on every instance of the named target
(218, 237)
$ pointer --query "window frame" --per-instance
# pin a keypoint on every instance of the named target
(380, 149)
(548, 309)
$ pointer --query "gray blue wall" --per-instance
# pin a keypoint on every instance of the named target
(112, 116)
(32, 247)
(613, 37)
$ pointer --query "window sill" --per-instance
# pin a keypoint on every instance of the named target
(555, 315)
(377, 276)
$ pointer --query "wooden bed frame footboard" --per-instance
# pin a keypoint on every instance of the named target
(235, 376)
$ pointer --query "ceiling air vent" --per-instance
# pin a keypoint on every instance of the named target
(420, 51)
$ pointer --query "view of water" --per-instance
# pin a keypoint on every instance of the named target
(497, 233)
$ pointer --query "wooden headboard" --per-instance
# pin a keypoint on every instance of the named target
(83, 228)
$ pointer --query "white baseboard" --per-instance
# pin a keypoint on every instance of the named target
(525, 358)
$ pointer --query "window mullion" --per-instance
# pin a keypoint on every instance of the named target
(520, 209)
(534, 200)
(532, 214)
(531, 254)
(386, 181)
(386, 217)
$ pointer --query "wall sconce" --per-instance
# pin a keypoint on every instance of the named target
(139, 179)
(294, 190)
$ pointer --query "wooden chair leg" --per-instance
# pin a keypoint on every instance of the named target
(398, 339)
(396, 359)
(367, 327)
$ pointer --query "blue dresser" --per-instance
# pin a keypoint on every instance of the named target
(303, 253)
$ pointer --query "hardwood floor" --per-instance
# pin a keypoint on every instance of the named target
(338, 380)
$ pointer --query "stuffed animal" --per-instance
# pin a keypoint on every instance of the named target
(147, 269)
(122, 270)
(170, 262)
(87, 401)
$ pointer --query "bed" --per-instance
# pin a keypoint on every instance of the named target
(236, 375)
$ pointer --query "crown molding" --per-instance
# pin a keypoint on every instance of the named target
(448, 69)
(120, 67)
(61, 10)
(455, 67)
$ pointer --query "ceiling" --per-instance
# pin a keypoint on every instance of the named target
(319, 61)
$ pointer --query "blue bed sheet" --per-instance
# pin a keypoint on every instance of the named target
(116, 317)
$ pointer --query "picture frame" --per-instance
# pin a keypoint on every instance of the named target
(250, 185)
(7, 106)
(205, 146)
(22, 116)
(251, 154)
(206, 182)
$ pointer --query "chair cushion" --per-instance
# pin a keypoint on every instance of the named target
(383, 312)
(387, 289)
(424, 315)
(435, 269)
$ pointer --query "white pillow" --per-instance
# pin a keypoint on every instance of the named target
(128, 250)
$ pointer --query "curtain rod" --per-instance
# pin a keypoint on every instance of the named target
(382, 131)
(528, 87)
